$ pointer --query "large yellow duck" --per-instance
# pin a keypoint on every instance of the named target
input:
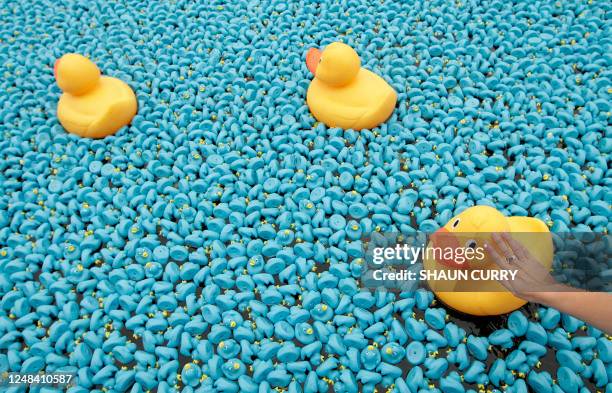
(92, 105)
(472, 228)
(342, 94)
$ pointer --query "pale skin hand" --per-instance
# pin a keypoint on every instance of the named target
(531, 279)
(534, 283)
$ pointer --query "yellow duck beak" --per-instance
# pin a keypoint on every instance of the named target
(313, 56)
(443, 238)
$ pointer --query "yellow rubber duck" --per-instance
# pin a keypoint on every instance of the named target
(92, 105)
(472, 228)
(342, 94)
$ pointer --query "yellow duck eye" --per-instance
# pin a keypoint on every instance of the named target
(456, 223)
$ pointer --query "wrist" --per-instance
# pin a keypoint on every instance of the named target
(551, 297)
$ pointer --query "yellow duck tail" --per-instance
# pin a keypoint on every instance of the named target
(119, 114)
(380, 114)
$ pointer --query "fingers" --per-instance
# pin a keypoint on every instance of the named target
(497, 257)
(504, 249)
(500, 252)
(515, 247)
(528, 264)
(508, 285)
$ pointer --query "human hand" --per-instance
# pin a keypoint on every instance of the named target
(532, 280)
(534, 283)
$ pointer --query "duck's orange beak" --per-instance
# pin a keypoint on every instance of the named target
(312, 59)
(441, 240)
